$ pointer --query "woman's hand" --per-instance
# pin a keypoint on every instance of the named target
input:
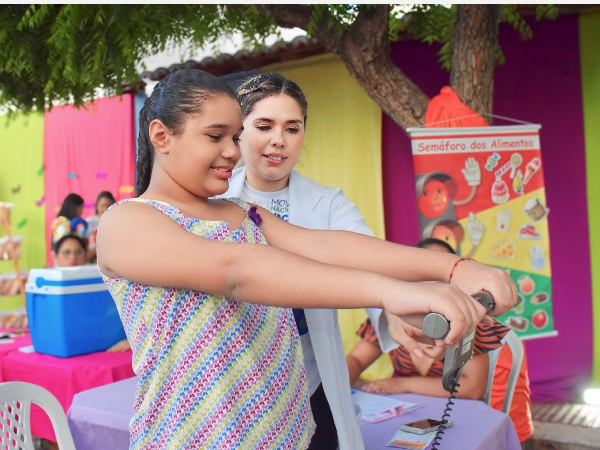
(388, 386)
(471, 277)
(461, 310)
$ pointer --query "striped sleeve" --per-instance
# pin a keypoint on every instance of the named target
(488, 338)
(367, 332)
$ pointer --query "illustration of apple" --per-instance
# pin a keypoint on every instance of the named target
(540, 319)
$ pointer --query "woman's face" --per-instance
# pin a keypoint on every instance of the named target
(273, 137)
(70, 254)
(102, 205)
(79, 210)
(201, 157)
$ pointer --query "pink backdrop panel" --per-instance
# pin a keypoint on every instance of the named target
(87, 151)
(540, 83)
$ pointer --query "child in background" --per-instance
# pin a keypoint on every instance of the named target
(104, 201)
(69, 219)
(72, 206)
(215, 344)
(419, 374)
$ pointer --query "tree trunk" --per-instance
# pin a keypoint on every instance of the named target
(365, 51)
(474, 47)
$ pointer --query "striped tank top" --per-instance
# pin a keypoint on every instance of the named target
(214, 372)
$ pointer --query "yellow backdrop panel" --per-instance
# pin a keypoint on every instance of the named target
(22, 183)
(342, 148)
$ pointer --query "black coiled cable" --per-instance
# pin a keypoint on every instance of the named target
(438, 436)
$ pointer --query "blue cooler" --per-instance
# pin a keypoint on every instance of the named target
(71, 312)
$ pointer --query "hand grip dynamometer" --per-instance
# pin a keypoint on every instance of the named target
(436, 326)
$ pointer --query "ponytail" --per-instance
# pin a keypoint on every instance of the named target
(144, 159)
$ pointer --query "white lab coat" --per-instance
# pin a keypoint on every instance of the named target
(318, 207)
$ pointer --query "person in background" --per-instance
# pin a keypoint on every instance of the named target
(417, 373)
(69, 219)
(70, 251)
(104, 200)
(72, 206)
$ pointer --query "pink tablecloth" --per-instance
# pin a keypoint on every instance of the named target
(8, 345)
(63, 377)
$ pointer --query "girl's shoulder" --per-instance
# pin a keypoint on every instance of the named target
(236, 201)
(163, 207)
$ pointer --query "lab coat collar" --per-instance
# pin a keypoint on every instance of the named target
(304, 196)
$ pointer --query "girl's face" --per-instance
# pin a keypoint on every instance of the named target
(79, 210)
(273, 137)
(70, 254)
(202, 155)
(102, 205)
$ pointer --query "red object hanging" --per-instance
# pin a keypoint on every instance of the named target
(446, 110)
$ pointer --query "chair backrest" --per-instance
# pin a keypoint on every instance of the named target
(15, 405)
(516, 347)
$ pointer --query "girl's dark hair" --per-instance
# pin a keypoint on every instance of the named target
(58, 244)
(425, 243)
(267, 85)
(69, 204)
(175, 98)
(104, 194)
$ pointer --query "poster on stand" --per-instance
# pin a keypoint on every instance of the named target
(481, 190)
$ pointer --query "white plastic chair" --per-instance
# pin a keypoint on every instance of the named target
(15, 405)
(516, 346)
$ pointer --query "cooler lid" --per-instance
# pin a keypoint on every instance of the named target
(63, 277)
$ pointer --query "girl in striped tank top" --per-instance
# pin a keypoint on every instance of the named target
(205, 287)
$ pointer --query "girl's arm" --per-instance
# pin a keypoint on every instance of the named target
(138, 242)
(360, 357)
(354, 250)
(473, 382)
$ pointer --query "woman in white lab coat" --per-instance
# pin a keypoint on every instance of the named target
(274, 113)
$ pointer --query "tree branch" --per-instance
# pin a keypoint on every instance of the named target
(474, 47)
(365, 51)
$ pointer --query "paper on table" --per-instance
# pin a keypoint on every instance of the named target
(376, 408)
(404, 439)
(28, 349)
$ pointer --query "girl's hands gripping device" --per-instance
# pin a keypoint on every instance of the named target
(436, 326)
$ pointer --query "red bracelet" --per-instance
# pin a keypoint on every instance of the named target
(454, 267)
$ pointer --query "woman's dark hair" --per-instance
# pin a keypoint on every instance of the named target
(58, 244)
(104, 194)
(267, 85)
(69, 204)
(426, 243)
(175, 98)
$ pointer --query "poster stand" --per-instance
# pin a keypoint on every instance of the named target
(481, 190)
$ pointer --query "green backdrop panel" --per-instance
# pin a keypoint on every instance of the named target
(589, 29)
(22, 183)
